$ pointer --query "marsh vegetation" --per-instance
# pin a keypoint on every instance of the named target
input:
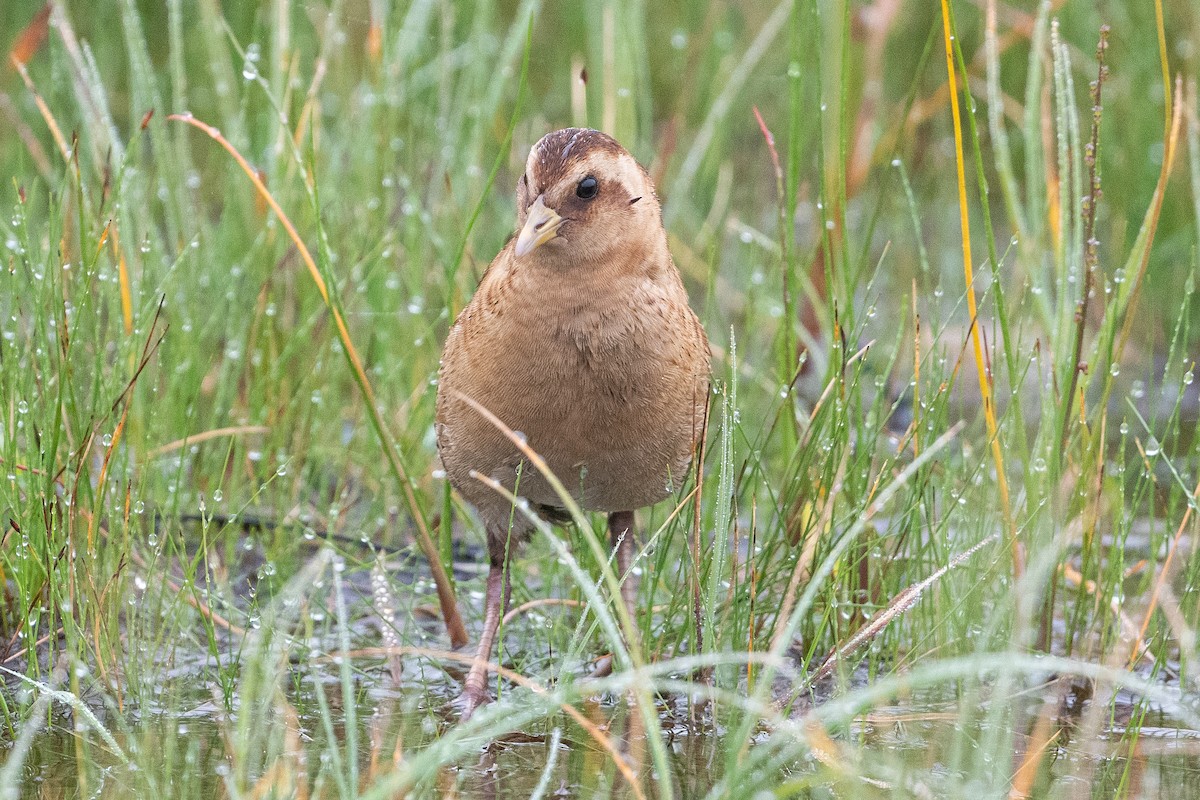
(929, 558)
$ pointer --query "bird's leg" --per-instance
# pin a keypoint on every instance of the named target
(499, 590)
(620, 531)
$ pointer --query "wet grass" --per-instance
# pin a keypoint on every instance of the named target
(911, 582)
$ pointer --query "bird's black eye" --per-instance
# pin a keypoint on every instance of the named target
(587, 188)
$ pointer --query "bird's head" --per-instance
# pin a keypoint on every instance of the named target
(584, 200)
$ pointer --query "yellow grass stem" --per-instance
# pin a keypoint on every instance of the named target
(215, 433)
(1166, 68)
(1045, 733)
(446, 598)
(123, 274)
(985, 383)
(916, 423)
(44, 110)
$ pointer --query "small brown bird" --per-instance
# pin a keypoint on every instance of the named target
(580, 338)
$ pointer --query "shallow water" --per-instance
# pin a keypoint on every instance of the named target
(564, 759)
(198, 735)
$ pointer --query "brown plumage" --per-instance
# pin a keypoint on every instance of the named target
(580, 338)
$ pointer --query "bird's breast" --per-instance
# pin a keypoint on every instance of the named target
(608, 390)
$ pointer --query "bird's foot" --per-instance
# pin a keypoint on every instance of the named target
(603, 667)
(472, 697)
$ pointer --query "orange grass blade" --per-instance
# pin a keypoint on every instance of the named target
(446, 598)
(123, 274)
(1045, 733)
(30, 40)
(44, 110)
(985, 383)
(215, 433)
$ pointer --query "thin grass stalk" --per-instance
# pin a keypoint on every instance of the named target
(1069, 285)
(723, 515)
(279, 54)
(752, 566)
(336, 759)
(262, 661)
(824, 250)
(918, 417)
(1193, 138)
(1062, 103)
(283, 82)
(786, 234)
(178, 70)
(696, 539)
(514, 43)
(543, 783)
(1034, 165)
(915, 217)
(985, 388)
(788, 200)
(1178, 361)
(221, 71)
(47, 115)
(89, 92)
